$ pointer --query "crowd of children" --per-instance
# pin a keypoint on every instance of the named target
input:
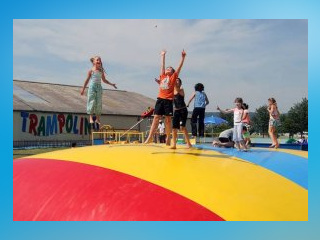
(171, 104)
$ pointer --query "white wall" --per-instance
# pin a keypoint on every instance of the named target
(58, 126)
(47, 126)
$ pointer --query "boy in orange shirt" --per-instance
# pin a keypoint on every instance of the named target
(164, 104)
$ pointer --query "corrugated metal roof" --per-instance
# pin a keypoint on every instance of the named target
(48, 97)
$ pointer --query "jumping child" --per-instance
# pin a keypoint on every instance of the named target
(94, 101)
(180, 114)
(164, 105)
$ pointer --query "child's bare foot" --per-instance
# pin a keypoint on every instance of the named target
(189, 146)
(91, 119)
(148, 141)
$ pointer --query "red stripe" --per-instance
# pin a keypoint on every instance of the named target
(54, 190)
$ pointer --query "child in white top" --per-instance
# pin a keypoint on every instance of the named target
(237, 122)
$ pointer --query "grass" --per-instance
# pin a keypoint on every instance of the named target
(28, 152)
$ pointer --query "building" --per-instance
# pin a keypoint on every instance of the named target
(57, 112)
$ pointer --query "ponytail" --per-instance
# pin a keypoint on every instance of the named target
(103, 68)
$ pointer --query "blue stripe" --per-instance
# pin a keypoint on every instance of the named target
(290, 166)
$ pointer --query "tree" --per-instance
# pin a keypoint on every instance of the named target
(282, 127)
(260, 120)
(297, 118)
(228, 117)
(287, 126)
(211, 128)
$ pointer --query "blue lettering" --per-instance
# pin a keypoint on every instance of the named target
(24, 116)
(75, 130)
(52, 126)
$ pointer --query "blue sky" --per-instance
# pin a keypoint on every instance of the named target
(252, 59)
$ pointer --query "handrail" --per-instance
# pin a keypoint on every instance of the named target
(117, 136)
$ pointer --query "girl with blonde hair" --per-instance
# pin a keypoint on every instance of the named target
(94, 101)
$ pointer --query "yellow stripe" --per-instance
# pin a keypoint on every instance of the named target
(232, 188)
(299, 153)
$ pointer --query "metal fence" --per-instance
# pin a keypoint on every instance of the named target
(50, 143)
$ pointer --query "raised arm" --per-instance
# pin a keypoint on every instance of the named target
(225, 111)
(86, 82)
(183, 55)
(157, 80)
(107, 82)
(163, 62)
(191, 98)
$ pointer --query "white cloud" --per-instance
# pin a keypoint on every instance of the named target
(248, 58)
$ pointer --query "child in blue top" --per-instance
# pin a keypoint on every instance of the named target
(200, 103)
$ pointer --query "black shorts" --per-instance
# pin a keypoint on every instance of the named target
(163, 107)
(180, 118)
(224, 139)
